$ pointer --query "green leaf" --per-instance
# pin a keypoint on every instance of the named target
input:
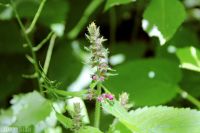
(119, 112)
(66, 122)
(190, 82)
(11, 77)
(189, 58)
(53, 14)
(70, 93)
(162, 18)
(159, 119)
(149, 82)
(118, 127)
(11, 39)
(130, 51)
(88, 129)
(111, 3)
(30, 109)
(184, 37)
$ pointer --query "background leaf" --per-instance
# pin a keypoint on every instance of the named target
(11, 38)
(147, 81)
(158, 18)
(64, 67)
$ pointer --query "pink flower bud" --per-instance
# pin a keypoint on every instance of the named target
(100, 98)
(94, 77)
(110, 97)
(101, 78)
(104, 95)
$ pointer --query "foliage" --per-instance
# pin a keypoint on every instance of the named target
(116, 78)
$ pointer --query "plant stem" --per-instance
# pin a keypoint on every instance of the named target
(49, 53)
(37, 15)
(87, 13)
(189, 97)
(39, 46)
(97, 108)
(35, 64)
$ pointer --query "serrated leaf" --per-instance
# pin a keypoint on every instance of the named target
(146, 81)
(158, 18)
(111, 3)
(65, 121)
(88, 129)
(159, 119)
(189, 58)
(119, 112)
(30, 109)
(118, 127)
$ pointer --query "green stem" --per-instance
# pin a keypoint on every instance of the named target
(49, 53)
(35, 64)
(37, 15)
(113, 25)
(105, 89)
(97, 108)
(189, 97)
(87, 13)
(39, 46)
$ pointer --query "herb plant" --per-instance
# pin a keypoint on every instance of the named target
(112, 88)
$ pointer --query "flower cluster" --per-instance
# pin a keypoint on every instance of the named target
(77, 118)
(124, 101)
(98, 53)
(105, 96)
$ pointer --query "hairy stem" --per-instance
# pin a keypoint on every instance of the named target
(97, 108)
(189, 97)
(37, 15)
(87, 13)
(35, 64)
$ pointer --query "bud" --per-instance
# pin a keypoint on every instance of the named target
(123, 99)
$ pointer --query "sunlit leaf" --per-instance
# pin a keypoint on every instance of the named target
(159, 119)
(159, 18)
(30, 109)
(66, 122)
(190, 58)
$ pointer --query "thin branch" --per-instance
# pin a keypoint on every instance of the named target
(41, 44)
(37, 15)
(87, 13)
(49, 53)
(35, 64)
(189, 97)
